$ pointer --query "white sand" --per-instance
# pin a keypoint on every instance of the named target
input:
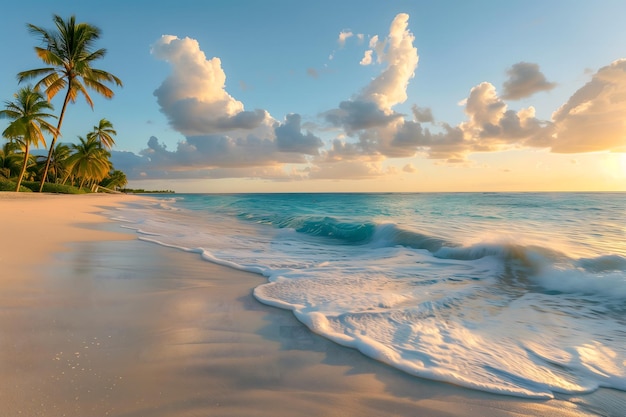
(35, 226)
(95, 323)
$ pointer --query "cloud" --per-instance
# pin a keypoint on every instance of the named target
(222, 139)
(448, 144)
(349, 169)
(205, 156)
(128, 162)
(312, 72)
(593, 118)
(358, 115)
(369, 114)
(221, 134)
(492, 125)
(289, 137)
(422, 114)
(376, 46)
(483, 106)
(193, 96)
(389, 88)
(343, 36)
(409, 168)
(590, 121)
(525, 79)
(382, 132)
(223, 155)
(341, 150)
(346, 34)
(367, 58)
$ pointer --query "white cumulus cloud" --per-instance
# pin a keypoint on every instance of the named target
(343, 36)
(193, 96)
(389, 88)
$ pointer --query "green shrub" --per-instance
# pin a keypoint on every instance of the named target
(54, 188)
(7, 185)
(30, 186)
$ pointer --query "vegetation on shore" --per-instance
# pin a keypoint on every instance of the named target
(33, 186)
(68, 54)
(142, 191)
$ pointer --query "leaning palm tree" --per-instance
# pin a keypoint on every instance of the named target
(103, 133)
(89, 162)
(68, 50)
(28, 113)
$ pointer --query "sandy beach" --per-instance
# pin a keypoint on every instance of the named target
(94, 322)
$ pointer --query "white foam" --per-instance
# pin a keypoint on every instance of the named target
(572, 280)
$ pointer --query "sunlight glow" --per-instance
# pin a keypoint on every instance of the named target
(615, 165)
(621, 172)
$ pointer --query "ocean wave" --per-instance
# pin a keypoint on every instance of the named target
(607, 284)
(534, 267)
(392, 235)
(549, 268)
(350, 232)
(519, 312)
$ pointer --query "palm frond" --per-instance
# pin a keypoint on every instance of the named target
(34, 73)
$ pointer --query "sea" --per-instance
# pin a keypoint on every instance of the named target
(521, 294)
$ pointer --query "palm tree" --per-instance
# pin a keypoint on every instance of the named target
(89, 162)
(9, 160)
(31, 169)
(58, 163)
(68, 50)
(116, 180)
(28, 115)
(104, 133)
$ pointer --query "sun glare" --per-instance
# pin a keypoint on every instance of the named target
(615, 165)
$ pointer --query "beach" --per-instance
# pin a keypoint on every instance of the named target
(95, 322)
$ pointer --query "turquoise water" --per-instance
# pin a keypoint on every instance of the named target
(518, 294)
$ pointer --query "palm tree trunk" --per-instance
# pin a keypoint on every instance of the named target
(54, 137)
(19, 179)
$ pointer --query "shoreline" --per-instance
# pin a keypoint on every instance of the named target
(96, 322)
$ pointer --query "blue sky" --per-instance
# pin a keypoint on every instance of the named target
(276, 95)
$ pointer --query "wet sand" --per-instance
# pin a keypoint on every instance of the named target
(96, 323)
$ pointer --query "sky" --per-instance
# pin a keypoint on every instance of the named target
(350, 96)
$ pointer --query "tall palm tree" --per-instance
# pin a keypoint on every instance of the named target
(104, 133)
(28, 113)
(68, 50)
(89, 162)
